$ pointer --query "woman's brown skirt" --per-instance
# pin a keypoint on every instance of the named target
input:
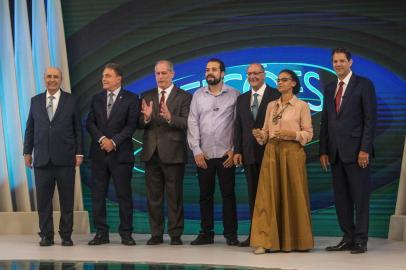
(281, 218)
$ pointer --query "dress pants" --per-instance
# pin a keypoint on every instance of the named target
(207, 178)
(252, 175)
(351, 185)
(121, 174)
(165, 179)
(45, 179)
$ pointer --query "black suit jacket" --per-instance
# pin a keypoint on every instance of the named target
(244, 141)
(352, 129)
(56, 141)
(168, 138)
(119, 127)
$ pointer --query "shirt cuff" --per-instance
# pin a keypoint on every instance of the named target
(101, 139)
(197, 151)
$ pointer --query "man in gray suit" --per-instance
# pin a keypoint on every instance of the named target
(164, 119)
(54, 133)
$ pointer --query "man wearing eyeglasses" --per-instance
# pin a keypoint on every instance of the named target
(250, 114)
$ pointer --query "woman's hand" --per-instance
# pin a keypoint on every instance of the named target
(260, 135)
(285, 134)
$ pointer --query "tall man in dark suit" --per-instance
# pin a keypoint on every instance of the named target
(111, 123)
(54, 132)
(250, 114)
(164, 119)
(346, 142)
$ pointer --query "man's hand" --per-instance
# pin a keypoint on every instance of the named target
(106, 145)
(228, 163)
(78, 160)
(146, 109)
(237, 160)
(201, 161)
(324, 162)
(28, 160)
(165, 113)
(363, 159)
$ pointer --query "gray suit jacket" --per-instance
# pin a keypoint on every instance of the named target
(168, 138)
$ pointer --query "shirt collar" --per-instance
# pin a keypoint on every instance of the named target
(167, 90)
(292, 101)
(260, 91)
(56, 95)
(347, 78)
(224, 89)
(115, 92)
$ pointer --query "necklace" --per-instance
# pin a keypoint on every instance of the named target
(278, 115)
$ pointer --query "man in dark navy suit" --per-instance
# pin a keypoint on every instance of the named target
(346, 142)
(251, 109)
(111, 123)
(54, 133)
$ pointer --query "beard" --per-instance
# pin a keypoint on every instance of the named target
(211, 80)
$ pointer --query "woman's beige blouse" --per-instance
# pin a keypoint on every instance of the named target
(296, 117)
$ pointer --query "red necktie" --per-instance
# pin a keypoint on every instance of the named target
(339, 95)
(162, 100)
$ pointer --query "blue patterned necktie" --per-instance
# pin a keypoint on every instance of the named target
(254, 106)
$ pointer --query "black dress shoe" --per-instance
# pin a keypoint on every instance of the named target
(127, 240)
(203, 239)
(358, 248)
(46, 241)
(232, 241)
(245, 243)
(343, 245)
(99, 239)
(155, 240)
(176, 241)
(67, 242)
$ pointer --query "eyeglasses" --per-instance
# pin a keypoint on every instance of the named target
(254, 73)
(283, 80)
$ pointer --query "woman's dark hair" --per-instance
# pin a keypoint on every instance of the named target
(294, 77)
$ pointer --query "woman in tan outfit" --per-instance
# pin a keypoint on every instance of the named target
(281, 219)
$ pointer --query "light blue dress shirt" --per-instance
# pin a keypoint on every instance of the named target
(211, 122)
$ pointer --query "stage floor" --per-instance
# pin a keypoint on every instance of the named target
(382, 254)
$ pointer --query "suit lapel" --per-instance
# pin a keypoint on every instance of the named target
(171, 98)
(264, 102)
(103, 97)
(61, 103)
(116, 103)
(348, 92)
(43, 104)
(246, 104)
(155, 109)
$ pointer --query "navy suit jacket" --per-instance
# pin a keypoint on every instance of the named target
(168, 138)
(56, 141)
(119, 127)
(244, 141)
(351, 130)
